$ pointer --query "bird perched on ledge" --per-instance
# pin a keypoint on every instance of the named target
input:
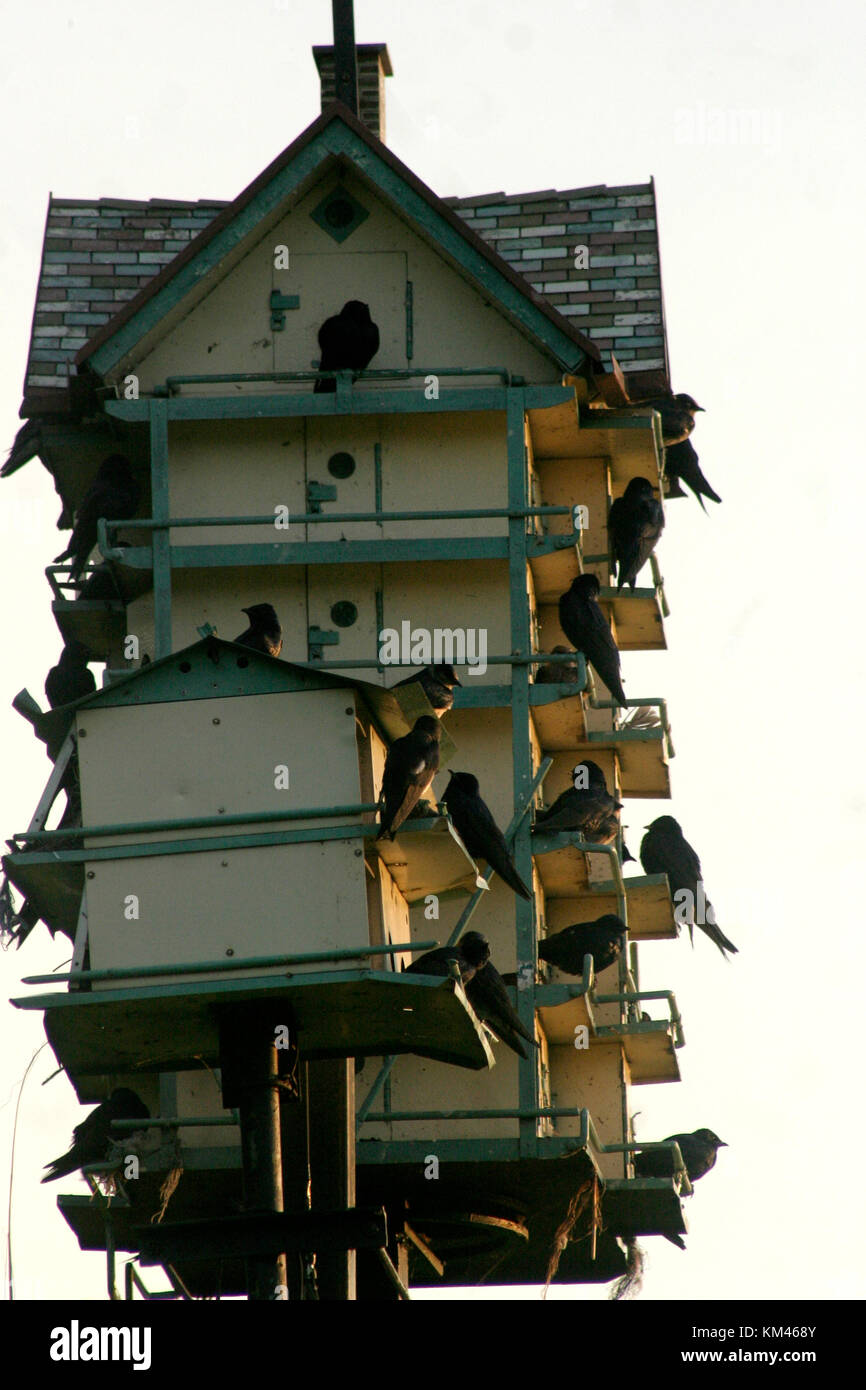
(478, 830)
(587, 807)
(472, 952)
(113, 494)
(264, 633)
(602, 939)
(665, 850)
(682, 465)
(698, 1151)
(410, 767)
(92, 1140)
(678, 415)
(71, 679)
(588, 630)
(635, 524)
(437, 682)
(347, 339)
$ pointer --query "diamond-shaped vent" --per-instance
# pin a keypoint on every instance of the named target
(339, 214)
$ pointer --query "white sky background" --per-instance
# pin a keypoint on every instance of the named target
(763, 278)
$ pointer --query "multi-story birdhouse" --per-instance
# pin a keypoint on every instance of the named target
(430, 508)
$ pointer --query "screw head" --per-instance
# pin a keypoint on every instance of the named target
(91, 873)
(215, 721)
(229, 951)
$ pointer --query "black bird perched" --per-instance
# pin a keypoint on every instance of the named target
(71, 679)
(590, 809)
(678, 415)
(410, 767)
(565, 673)
(479, 831)
(25, 446)
(588, 630)
(682, 465)
(264, 633)
(92, 1140)
(665, 850)
(114, 493)
(347, 339)
(698, 1151)
(488, 996)
(472, 952)
(635, 523)
(602, 939)
(438, 684)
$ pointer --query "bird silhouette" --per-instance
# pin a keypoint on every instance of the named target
(264, 633)
(437, 682)
(113, 494)
(635, 524)
(682, 465)
(587, 806)
(92, 1140)
(665, 850)
(478, 830)
(678, 415)
(71, 679)
(349, 339)
(471, 952)
(410, 767)
(588, 630)
(602, 939)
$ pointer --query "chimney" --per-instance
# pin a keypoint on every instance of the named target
(374, 65)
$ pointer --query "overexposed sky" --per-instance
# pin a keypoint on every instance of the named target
(750, 116)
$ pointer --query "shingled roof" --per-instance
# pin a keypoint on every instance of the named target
(98, 254)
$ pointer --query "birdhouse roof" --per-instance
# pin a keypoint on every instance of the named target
(140, 259)
(215, 669)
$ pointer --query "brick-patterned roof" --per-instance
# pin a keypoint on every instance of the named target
(618, 299)
(98, 254)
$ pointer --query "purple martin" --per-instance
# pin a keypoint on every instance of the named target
(410, 767)
(665, 850)
(71, 679)
(590, 809)
(635, 524)
(25, 446)
(264, 633)
(588, 630)
(682, 465)
(347, 339)
(93, 1140)
(698, 1151)
(472, 952)
(678, 415)
(113, 494)
(566, 673)
(478, 830)
(488, 996)
(437, 682)
(602, 939)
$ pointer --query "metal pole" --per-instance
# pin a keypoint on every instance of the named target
(345, 56)
(250, 1078)
(332, 1164)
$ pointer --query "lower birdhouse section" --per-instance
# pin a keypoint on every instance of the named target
(594, 1079)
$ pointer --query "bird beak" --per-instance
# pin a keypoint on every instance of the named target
(457, 680)
(703, 412)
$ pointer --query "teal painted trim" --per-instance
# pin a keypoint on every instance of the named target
(150, 827)
(371, 552)
(142, 972)
(482, 696)
(517, 304)
(191, 275)
(347, 375)
(377, 481)
(161, 548)
(414, 1152)
(410, 320)
(365, 402)
(275, 985)
(327, 518)
(338, 142)
(518, 501)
